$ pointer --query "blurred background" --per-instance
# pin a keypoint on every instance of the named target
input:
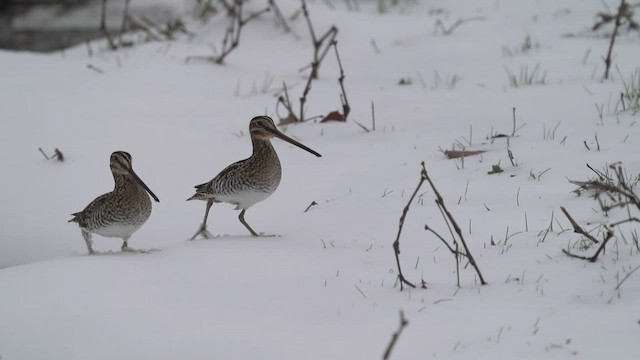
(50, 25)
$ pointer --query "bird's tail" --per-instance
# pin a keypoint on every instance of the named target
(75, 217)
(200, 196)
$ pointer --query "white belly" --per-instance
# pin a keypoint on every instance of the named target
(244, 199)
(117, 231)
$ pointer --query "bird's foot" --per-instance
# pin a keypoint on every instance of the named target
(204, 233)
(138, 251)
(267, 235)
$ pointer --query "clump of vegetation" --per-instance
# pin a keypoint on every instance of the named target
(384, 6)
(526, 77)
(624, 16)
(495, 169)
(630, 95)
(131, 24)
(529, 44)
(613, 188)
(237, 20)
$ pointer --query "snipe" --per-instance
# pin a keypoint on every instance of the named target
(120, 212)
(249, 181)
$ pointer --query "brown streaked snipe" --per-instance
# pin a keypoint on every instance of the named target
(249, 181)
(120, 212)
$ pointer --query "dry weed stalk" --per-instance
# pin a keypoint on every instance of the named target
(346, 108)
(321, 47)
(439, 26)
(57, 154)
(153, 31)
(622, 10)
(610, 193)
(396, 244)
(579, 230)
(394, 338)
(232, 35)
(450, 221)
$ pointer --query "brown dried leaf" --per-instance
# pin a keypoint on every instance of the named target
(454, 154)
(333, 116)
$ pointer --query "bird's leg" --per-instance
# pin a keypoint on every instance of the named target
(241, 217)
(125, 244)
(87, 239)
(125, 247)
(203, 227)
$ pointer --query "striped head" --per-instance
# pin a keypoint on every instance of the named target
(121, 165)
(263, 127)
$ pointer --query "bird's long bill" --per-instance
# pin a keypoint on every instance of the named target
(284, 137)
(135, 176)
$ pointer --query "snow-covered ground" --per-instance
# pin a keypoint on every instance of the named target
(325, 287)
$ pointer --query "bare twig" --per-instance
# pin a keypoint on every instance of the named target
(313, 203)
(607, 236)
(346, 109)
(279, 17)
(373, 117)
(622, 9)
(577, 228)
(94, 68)
(450, 219)
(448, 31)
(43, 153)
(57, 154)
(320, 48)
(396, 243)
(231, 38)
(621, 191)
(103, 26)
(125, 15)
(286, 102)
(626, 277)
(394, 338)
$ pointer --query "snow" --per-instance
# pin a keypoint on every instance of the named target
(324, 287)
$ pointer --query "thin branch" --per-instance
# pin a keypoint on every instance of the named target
(103, 26)
(607, 61)
(279, 17)
(448, 31)
(43, 153)
(394, 338)
(577, 228)
(313, 203)
(346, 109)
(450, 218)
(396, 243)
(231, 38)
(125, 15)
(626, 277)
(373, 117)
